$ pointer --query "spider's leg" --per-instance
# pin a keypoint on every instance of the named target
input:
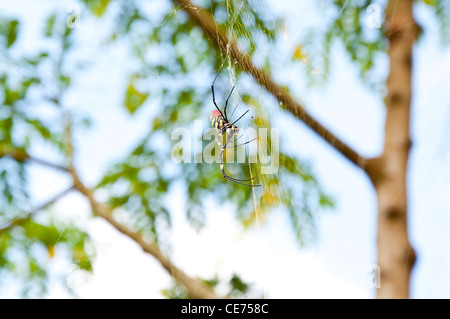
(226, 103)
(219, 136)
(213, 96)
(240, 117)
(238, 181)
(222, 168)
(232, 142)
(241, 144)
(251, 185)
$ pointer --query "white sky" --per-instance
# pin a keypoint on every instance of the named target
(336, 266)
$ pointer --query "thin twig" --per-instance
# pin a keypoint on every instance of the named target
(21, 155)
(25, 217)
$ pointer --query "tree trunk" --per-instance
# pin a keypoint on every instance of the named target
(388, 172)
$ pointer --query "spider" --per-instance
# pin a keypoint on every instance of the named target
(220, 121)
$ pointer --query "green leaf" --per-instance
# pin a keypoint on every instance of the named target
(12, 33)
(134, 98)
(97, 7)
(430, 2)
(34, 61)
(238, 285)
(50, 26)
(175, 292)
(48, 235)
(40, 128)
(65, 80)
(326, 201)
(11, 97)
(211, 282)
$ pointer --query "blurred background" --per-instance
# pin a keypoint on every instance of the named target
(102, 84)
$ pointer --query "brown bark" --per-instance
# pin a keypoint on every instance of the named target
(396, 257)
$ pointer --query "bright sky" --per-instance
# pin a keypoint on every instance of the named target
(337, 265)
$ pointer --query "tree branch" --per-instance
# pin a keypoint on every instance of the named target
(20, 220)
(21, 156)
(195, 288)
(218, 37)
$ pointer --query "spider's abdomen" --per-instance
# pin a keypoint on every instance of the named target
(217, 120)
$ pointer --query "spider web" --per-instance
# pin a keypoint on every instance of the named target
(244, 27)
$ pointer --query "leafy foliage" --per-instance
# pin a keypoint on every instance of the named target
(134, 98)
(8, 31)
(97, 7)
(348, 24)
(363, 43)
(173, 66)
(442, 11)
(178, 42)
(23, 128)
(170, 54)
(235, 287)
